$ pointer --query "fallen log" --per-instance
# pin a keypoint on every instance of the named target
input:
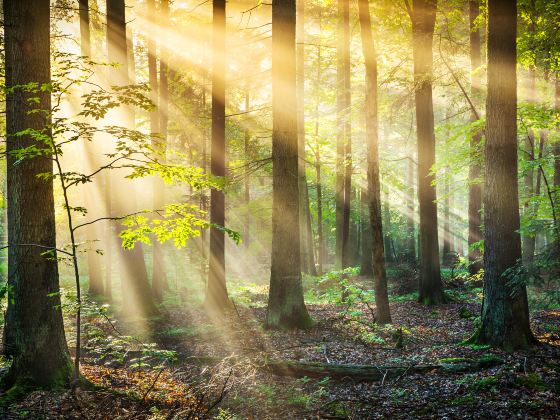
(371, 373)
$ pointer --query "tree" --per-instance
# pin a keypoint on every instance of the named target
(343, 140)
(158, 269)
(382, 314)
(505, 312)
(423, 16)
(306, 242)
(34, 331)
(136, 290)
(286, 308)
(216, 289)
(92, 232)
(475, 191)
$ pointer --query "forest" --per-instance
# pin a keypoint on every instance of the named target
(338, 209)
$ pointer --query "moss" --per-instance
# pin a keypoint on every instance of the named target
(531, 381)
(485, 384)
(463, 400)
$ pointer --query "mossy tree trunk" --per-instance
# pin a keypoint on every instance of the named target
(423, 16)
(286, 308)
(34, 330)
(505, 313)
(382, 312)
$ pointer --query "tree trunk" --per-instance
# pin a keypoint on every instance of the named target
(34, 331)
(505, 313)
(247, 181)
(136, 291)
(307, 259)
(411, 231)
(366, 266)
(556, 147)
(321, 252)
(475, 170)
(423, 17)
(286, 308)
(382, 311)
(528, 241)
(446, 225)
(93, 232)
(216, 291)
(387, 231)
(157, 117)
(343, 146)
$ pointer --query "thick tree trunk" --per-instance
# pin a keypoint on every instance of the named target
(93, 232)
(556, 147)
(475, 170)
(505, 313)
(382, 312)
(34, 331)
(343, 140)
(286, 308)
(216, 290)
(423, 17)
(158, 124)
(136, 291)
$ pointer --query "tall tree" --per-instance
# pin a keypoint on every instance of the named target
(410, 230)
(286, 308)
(343, 140)
(93, 232)
(216, 289)
(366, 263)
(157, 268)
(475, 170)
(423, 16)
(382, 314)
(505, 313)
(34, 331)
(136, 290)
(306, 243)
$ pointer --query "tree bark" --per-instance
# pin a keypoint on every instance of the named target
(556, 147)
(475, 170)
(137, 296)
(343, 141)
(423, 16)
(382, 311)
(34, 331)
(286, 308)
(505, 313)
(216, 291)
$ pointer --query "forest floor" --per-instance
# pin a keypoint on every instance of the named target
(198, 367)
